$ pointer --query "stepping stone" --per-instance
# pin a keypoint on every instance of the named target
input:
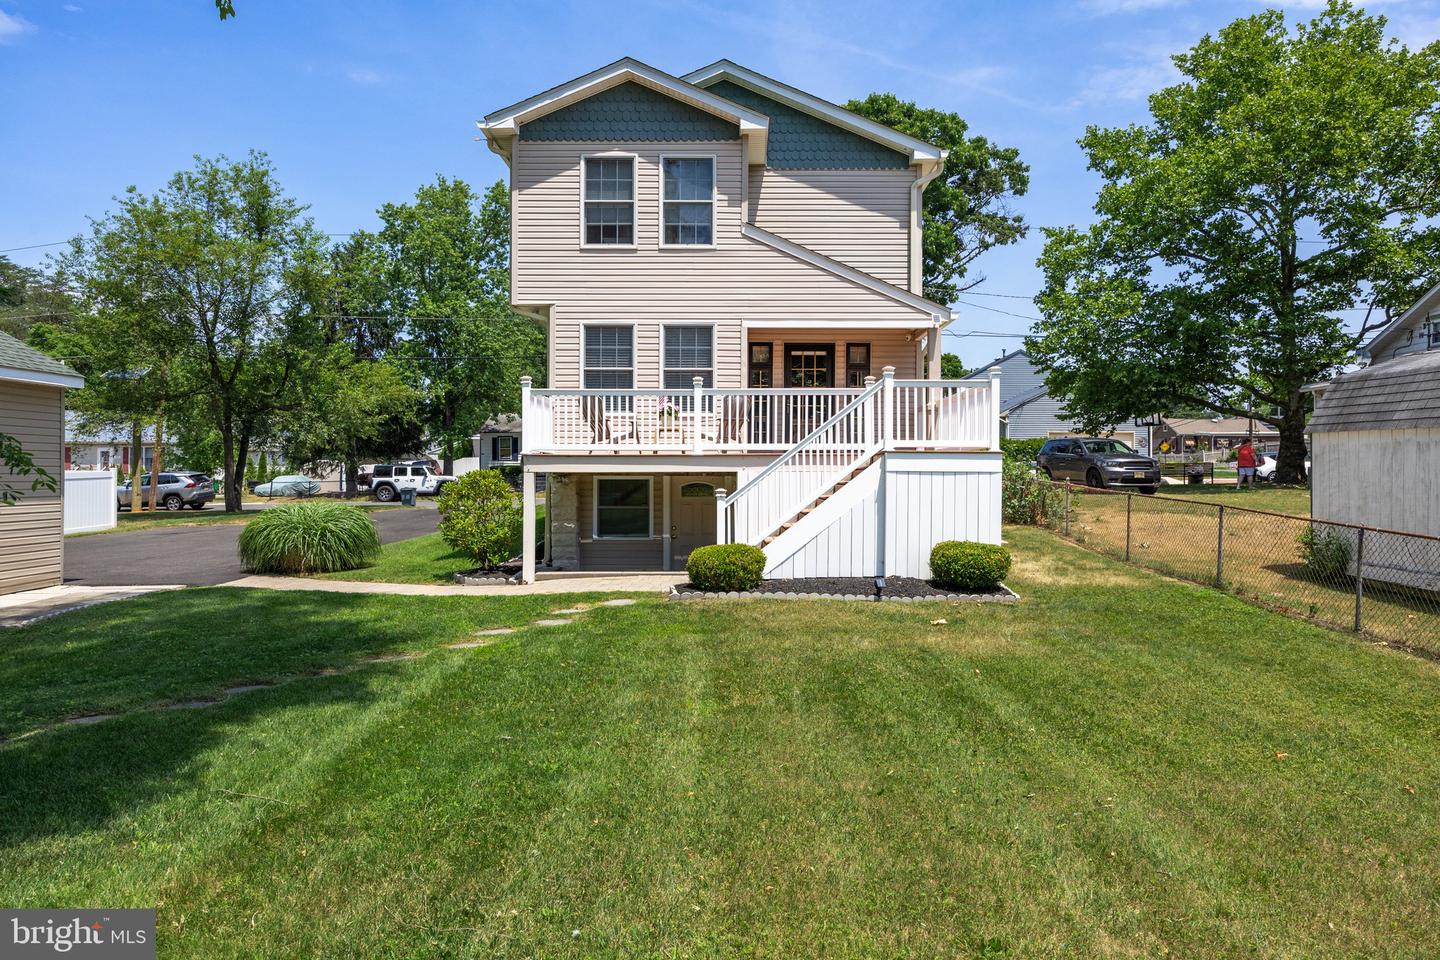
(555, 622)
(494, 632)
(468, 644)
(192, 705)
(621, 602)
(391, 657)
(571, 610)
(247, 688)
(90, 718)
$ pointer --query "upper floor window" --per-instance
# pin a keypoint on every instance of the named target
(689, 353)
(608, 200)
(688, 201)
(609, 358)
(1433, 333)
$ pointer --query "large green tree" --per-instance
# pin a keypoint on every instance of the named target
(213, 277)
(449, 255)
(29, 296)
(1291, 176)
(967, 209)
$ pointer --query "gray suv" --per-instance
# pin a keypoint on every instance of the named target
(1098, 462)
(176, 491)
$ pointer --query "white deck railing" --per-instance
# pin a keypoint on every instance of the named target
(919, 414)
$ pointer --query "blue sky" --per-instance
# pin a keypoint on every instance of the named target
(360, 102)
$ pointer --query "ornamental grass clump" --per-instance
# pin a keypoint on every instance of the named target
(962, 565)
(309, 538)
(726, 567)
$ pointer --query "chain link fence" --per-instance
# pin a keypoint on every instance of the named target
(1379, 583)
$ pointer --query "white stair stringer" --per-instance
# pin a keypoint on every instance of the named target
(838, 538)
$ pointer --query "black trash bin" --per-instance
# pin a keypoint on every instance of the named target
(407, 498)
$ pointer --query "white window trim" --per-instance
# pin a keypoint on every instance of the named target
(634, 199)
(584, 329)
(686, 323)
(595, 506)
(505, 456)
(660, 198)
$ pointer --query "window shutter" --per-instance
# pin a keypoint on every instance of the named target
(494, 449)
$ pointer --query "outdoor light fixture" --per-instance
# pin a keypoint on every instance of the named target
(879, 585)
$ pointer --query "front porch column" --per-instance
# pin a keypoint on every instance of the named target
(666, 524)
(527, 525)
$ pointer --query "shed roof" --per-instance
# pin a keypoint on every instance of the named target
(1399, 394)
(28, 365)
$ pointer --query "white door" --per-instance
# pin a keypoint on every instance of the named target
(692, 516)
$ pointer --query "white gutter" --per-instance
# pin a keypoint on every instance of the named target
(917, 235)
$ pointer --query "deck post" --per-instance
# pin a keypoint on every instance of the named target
(887, 408)
(525, 384)
(698, 384)
(994, 409)
(722, 532)
(869, 421)
(527, 525)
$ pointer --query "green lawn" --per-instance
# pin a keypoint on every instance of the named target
(1291, 500)
(1119, 766)
(424, 559)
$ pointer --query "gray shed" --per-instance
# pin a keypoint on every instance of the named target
(1375, 447)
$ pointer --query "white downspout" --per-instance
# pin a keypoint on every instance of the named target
(917, 241)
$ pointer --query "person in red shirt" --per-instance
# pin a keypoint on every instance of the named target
(1245, 461)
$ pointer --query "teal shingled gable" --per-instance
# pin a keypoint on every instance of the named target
(799, 141)
(629, 112)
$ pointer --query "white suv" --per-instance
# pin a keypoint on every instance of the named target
(388, 479)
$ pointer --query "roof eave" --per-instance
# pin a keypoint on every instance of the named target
(42, 378)
(927, 156)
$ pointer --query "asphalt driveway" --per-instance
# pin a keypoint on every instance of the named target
(199, 556)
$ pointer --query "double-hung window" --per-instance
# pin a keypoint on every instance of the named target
(609, 358)
(622, 507)
(609, 201)
(687, 193)
(689, 353)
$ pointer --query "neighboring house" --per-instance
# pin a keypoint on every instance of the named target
(32, 410)
(498, 442)
(1028, 411)
(1417, 330)
(1195, 435)
(724, 265)
(104, 448)
(1374, 447)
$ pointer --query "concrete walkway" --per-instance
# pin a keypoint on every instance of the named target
(640, 583)
(30, 606)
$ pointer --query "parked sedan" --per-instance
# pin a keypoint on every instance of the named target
(1098, 462)
(176, 491)
(290, 486)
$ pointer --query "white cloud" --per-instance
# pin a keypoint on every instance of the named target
(72, 8)
(13, 26)
(1134, 72)
(367, 77)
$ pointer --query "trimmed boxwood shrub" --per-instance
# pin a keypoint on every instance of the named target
(962, 565)
(314, 537)
(724, 567)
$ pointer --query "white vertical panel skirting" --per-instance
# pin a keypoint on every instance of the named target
(89, 500)
(913, 501)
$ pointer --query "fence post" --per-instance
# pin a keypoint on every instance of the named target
(722, 531)
(698, 384)
(1129, 505)
(1220, 550)
(1359, 576)
(1067, 508)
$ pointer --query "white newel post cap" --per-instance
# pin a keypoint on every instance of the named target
(697, 382)
(888, 372)
(870, 380)
(994, 373)
(525, 381)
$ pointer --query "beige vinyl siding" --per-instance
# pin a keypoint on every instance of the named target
(887, 348)
(738, 281)
(32, 532)
(859, 217)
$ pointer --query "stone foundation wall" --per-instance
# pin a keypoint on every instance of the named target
(562, 501)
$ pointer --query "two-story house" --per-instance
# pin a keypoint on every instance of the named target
(729, 273)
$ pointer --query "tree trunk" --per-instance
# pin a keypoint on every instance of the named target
(158, 463)
(352, 478)
(447, 421)
(233, 476)
(137, 457)
(1290, 465)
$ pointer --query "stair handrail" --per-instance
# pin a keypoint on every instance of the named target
(725, 504)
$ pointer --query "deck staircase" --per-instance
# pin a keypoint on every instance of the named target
(819, 500)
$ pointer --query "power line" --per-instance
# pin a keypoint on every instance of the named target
(981, 306)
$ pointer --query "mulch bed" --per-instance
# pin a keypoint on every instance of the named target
(852, 588)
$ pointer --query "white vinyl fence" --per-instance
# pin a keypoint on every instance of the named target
(89, 500)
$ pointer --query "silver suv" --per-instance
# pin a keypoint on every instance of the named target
(177, 490)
